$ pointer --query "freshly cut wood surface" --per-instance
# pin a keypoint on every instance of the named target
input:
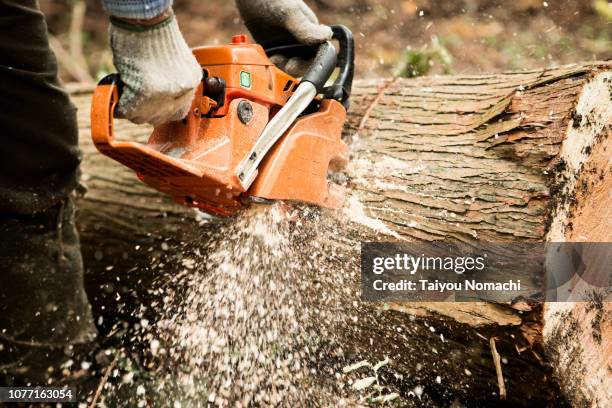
(461, 158)
(578, 335)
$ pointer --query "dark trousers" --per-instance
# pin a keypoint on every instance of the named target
(43, 305)
(39, 155)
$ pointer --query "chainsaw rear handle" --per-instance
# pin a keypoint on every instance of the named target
(105, 99)
(322, 59)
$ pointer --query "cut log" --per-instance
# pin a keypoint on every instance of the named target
(495, 157)
(578, 335)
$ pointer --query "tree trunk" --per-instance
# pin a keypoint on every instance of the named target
(495, 157)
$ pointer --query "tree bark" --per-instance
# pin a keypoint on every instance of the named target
(492, 157)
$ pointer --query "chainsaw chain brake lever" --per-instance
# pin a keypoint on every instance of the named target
(319, 72)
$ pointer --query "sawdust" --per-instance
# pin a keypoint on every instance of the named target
(265, 312)
(247, 320)
(355, 212)
(367, 174)
(260, 311)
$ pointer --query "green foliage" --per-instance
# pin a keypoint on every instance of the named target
(416, 63)
(603, 8)
(413, 64)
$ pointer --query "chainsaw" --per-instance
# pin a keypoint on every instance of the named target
(253, 133)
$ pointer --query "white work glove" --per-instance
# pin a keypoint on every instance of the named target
(159, 72)
(283, 22)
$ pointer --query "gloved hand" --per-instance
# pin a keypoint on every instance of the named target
(159, 72)
(283, 22)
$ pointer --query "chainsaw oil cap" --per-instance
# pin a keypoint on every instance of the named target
(239, 39)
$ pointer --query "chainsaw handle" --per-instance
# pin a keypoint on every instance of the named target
(104, 101)
(322, 66)
(342, 86)
(345, 60)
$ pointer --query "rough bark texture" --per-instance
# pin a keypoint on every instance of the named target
(477, 152)
(460, 158)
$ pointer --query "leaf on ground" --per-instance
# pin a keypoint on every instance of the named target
(381, 364)
(386, 397)
(363, 383)
(355, 366)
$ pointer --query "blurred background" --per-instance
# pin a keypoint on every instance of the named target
(393, 37)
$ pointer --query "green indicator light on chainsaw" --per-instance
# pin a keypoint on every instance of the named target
(245, 79)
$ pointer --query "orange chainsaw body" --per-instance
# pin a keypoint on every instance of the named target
(194, 160)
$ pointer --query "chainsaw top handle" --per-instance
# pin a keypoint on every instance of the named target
(325, 60)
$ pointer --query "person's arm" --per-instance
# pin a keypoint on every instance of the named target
(159, 72)
(136, 9)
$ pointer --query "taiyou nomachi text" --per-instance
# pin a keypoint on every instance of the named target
(427, 285)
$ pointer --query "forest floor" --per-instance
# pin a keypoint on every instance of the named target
(465, 36)
(407, 38)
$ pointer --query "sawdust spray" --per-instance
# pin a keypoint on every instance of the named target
(259, 311)
(248, 319)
